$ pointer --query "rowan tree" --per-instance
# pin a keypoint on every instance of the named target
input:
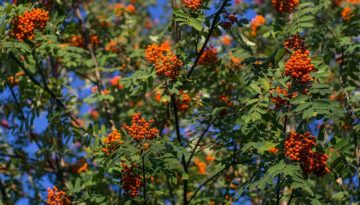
(179, 102)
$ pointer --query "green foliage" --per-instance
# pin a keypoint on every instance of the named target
(221, 124)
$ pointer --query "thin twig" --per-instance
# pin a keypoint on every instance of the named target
(47, 89)
(212, 28)
(199, 140)
(144, 178)
(5, 199)
(85, 35)
(291, 197)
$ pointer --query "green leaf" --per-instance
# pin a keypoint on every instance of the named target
(195, 24)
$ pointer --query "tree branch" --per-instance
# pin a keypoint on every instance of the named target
(199, 140)
(5, 199)
(211, 30)
(47, 89)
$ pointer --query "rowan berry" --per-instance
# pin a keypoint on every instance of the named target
(226, 99)
(192, 4)
(273, 150)
(281, 97)
(209, 56)
(256, 23)
(24, 26)
(298, 145)
(112, 47)
(56, 197)
(115, 82)
(76, 41)
(112, 142)
(295, 43)
(287, 6)
(165, 62)
(315, 163)
(131, 9)
(183, 103)
(299, 66)
(140, 128)
(94, 40)
(81, 167)
(131, 181)
(347, 13)
(210, 158)
(201, 166)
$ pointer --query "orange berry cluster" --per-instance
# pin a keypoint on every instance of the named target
(121, 8)
(273, 150)
(94, 40)
(339, 2)
(226, 100)
(24, 26)
(299, 66)
(140, 128)
(14, 80)
(80, 167)
(298, 147)
(112, 47)
(115, 82)
(183, 103)
(201, 165)
(76, 41)
(279, 100)
(166, 63)
(316, 163)
(285, 5)
(112, 141)
(56, 197)
(209, 56)
(347, 13)
(256, 23)
(131, 181)
(230, 19)
(192, 4)
(295, 43)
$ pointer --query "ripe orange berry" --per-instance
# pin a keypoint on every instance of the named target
(140, 128)
(183, 103)
(299, 66)
(94, 40)
(131, 9)
(226, 99)
(201, 165)
(279, 100)
(146, 146)
(295, 43)
(287, 6)
(130, 180)
(165, 62)
(56, 197)
(209, 56)
(112, 142)
(299, 147)
(24, 26)
(192, 4)
(255, 23)
(273, 150)
(347, 13)
(112, 47)
(76, 41)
